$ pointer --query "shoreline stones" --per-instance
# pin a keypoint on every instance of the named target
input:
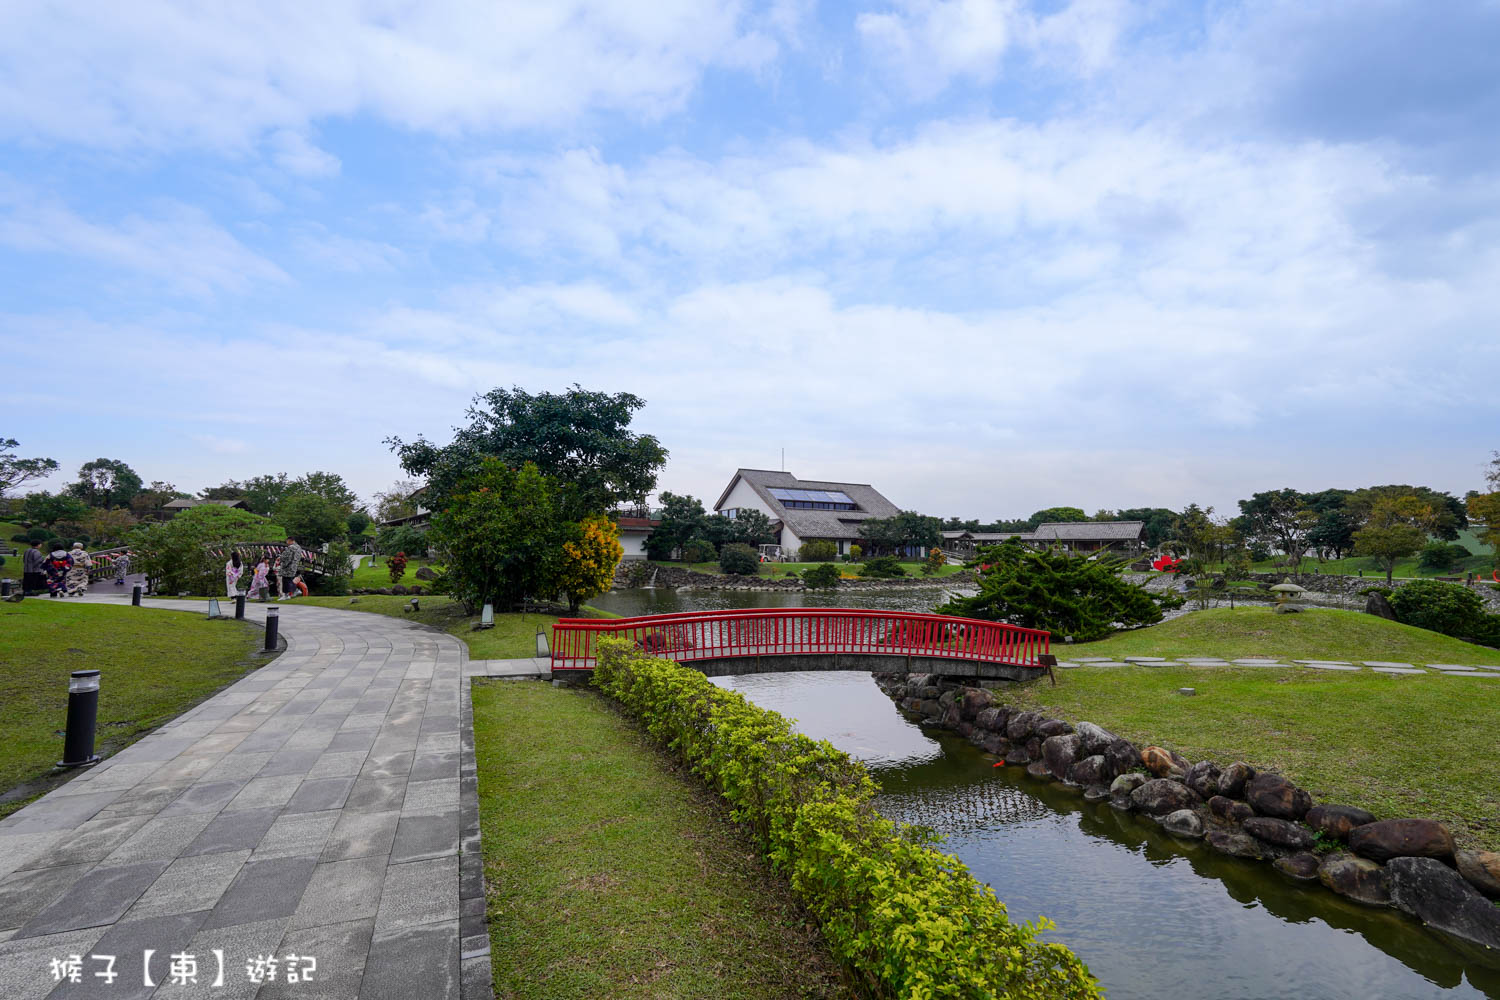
(1236, 810)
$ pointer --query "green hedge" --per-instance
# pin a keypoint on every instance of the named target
(908, 920)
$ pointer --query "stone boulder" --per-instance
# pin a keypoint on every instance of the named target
(991, 719)
(1095, 793)
(975, 700)
(1238, 845)
(1358, 879)
(1482, 869)
(1229, 810)
(948, 699)
(1121, 788)
(1337, 821)
(1020, 725)
(1034, 747)
(1402, 838)
(930, 708)
(1302, 866)
(1183, 823)
(1093, 770)
(1096, 739)
(1377, 605)
(1017, 756)
(1279, 832)
(918, 680)
(995, 744)
(1160, 796)
(1164, 763)
(1060, 752)
(1234, 779)
(426, 573)
(1039, 769)
(399, 590)
(1203, 778)
(951, 718)
(1123, 756)
(1048, 728)
(1273, 795)
(1440, 897)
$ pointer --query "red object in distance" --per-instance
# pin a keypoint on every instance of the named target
(1166, 564)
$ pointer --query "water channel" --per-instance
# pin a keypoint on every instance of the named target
(1152, 916)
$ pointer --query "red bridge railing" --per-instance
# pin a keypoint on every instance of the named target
(717, 635)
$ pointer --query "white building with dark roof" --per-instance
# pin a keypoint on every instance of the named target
(804, 510)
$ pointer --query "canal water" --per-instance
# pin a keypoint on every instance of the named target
(1152, 916)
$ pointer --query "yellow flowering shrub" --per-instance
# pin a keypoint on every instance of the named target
(589, 559)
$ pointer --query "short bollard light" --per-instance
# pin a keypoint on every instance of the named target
(415, 605)
(487, 617)
(542, 652)
(135, 595)
(273, 625)
(213, 608)
(4, 588)
(239, 607)
(83, 713)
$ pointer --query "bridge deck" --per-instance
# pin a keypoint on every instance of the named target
(802, 632)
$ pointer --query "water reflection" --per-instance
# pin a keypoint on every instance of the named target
(1153, 915)
(666, 600)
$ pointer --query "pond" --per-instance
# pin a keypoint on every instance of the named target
(635, 601)
(1151, 915)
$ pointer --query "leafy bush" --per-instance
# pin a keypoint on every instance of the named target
(1440, 557)
(500, 536)
(311, 519)
(1448, 608)
(739, 559)
(856, 553)
(1062, 593)
(935, 561)
(818, 550)
(21, 538)
(1259, 552)
(588, 561)
(907, 920)
(39, 535)
(882, 568)
(187, 553)
(396, 566)
(824, 577)
(335, 582)
(699, 550)
(400, 538)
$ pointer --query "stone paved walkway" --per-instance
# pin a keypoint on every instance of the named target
(325, 805)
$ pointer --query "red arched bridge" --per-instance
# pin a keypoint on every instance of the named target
(760, 641)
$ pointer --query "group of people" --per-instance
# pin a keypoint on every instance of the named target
(61, 572)
(281, 580)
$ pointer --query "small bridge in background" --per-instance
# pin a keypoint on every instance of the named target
(721, 643)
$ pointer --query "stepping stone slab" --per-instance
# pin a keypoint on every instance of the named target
(1065, 665)
(1472, 673)
(1251, 662)
(1388, 663)
(1449, 666)
(1330, 666)
(1093, 659)
(1162, 663)
(1399, 670)
(1144, 659)
(1310, 663)
(1106, 663)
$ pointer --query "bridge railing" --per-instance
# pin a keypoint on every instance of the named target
(714, 635)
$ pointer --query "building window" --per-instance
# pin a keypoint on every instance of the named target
(731, 513)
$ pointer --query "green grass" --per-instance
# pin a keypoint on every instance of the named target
(1314, 634)
(513, 637)
(773, 570)
(12, 568)
(1396, 745)
(371, 577)
(156, 665)
(612, 872)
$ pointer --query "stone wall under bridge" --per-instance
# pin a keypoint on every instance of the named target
(880, 664)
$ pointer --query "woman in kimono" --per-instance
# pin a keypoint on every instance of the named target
(232, 570)
(56, 569)
(78, 571)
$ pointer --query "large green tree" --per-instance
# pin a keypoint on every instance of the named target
(1053, 514)
(1396, 527)
(580, 438)
(311, 519)
(1448, 512)
(1158, 522)
(187, 553)
(908, 529)
(1280, 519)
(154, 497)
(682, 519)
(1333, 534)
(106, 482)
(501, 535)
(46, 509)
(15, 471)
(1067, 595)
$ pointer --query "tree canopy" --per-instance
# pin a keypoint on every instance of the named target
(16, 471)
(106, 482)
(906, 529)
(579, 437)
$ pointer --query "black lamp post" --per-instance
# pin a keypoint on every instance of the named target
(83, 713)
(273, 624)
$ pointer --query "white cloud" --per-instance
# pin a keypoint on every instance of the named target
(179, 245)
(350, 255)
(293, 152)
(154, 74)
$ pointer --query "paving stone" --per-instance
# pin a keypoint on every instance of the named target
(413, 961)
(425, 836)
(1312, 663)
(263, 890)
(1331, 666)
(342, 890)
(239, 945)
(100, 898)
(128, 941)
(361, 834)
(356, 739)
(437, 765)
(24, 894)
(289, 761)
(338, 765)
(208, 796)
(419, 892)
(1143, 659)
(431, 796)
(298, 834)
(390, 765)
(188, 884)
(341, 951)
(1093, 659)
(1473, 673)
(376, 794)
(1450, 666)
(59, 812)
(1385, 663)
(1399, 670)
(93, 841)
(233, 831)
(160, 837)
(320, 794)
(24, 962)
(1252, 661)
(259, 793)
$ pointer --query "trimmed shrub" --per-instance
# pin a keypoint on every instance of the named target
(1447, 608)
(699, 550)
(1440, 557)
(907, 920)
(824, 577)
(882, 568)
(739, 559)
(817, 551)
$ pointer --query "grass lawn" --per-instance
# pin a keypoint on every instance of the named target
(1314, 634)
(156, 665)
(369, 577)
(513, 637)
(1396, 745)
(12, 568)
(913, 569)
(612, 872)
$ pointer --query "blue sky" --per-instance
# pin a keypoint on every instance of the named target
(988, 255)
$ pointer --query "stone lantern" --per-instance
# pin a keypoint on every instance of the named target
(1287, 597)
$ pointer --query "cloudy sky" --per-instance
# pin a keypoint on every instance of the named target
(989, 255)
